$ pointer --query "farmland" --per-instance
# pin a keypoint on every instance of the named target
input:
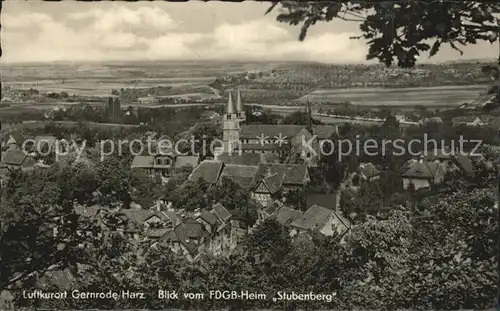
(440, 96)
(266, 83)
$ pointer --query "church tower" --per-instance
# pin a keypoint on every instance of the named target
(308, 116)
(240, 108)
(230, 126)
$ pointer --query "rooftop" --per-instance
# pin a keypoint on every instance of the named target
(313, 219)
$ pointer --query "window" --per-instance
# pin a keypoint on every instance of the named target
(228, 116)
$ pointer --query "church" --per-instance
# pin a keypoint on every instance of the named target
(267, 139)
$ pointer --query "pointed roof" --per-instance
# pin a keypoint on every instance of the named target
(230, 105)
(239, 102)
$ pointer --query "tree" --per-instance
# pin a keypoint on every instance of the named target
(114, 182)
(39, 227)
(401, 31)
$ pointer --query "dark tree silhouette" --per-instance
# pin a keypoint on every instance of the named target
(401, 31)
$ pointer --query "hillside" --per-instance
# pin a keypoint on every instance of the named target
(290, 81)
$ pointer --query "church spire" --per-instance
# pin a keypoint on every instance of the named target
(239, 102)
(240, 107)
(230, 109)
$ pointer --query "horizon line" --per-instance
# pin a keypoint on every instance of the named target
(365, 63)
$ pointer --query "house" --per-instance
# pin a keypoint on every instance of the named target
(189, 239)
(273, 178)
(165, 165)
(422, 174)
(209, 171)
(320, 220)
(218, 223)
(434, 120)
(147, 100)
(210, 115)
(15, 139)
(14, 158)
(452, 161)
(243, 175)
(286, 216)
(368, 172)
(468, 121)
(154, 224)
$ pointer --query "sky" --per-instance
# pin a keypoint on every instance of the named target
(36, 31)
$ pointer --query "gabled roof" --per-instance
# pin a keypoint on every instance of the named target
(273, 183)
(138, 216)
(286, 216)
(168, 215)
(424, 170)
(253, 131)
(273, 208)
(14, 157)
(191, 161)
(183, 233)
(232, 170)
(241, 159)
(368, 170)
(291, 174)
(18, 137)
(208, 170)
(221, 212)
(156, 233)
(210, 218)
(142, 161)
(241, 174)
(313, 219)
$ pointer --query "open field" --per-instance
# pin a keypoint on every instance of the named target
(263, 83)
(425, 96)
(99, 79)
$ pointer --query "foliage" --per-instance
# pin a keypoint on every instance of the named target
(39, 226)
(401, 31)
(198, 195)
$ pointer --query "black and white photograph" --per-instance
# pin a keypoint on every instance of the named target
(253, 155)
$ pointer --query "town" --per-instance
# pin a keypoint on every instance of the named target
(133, 177)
